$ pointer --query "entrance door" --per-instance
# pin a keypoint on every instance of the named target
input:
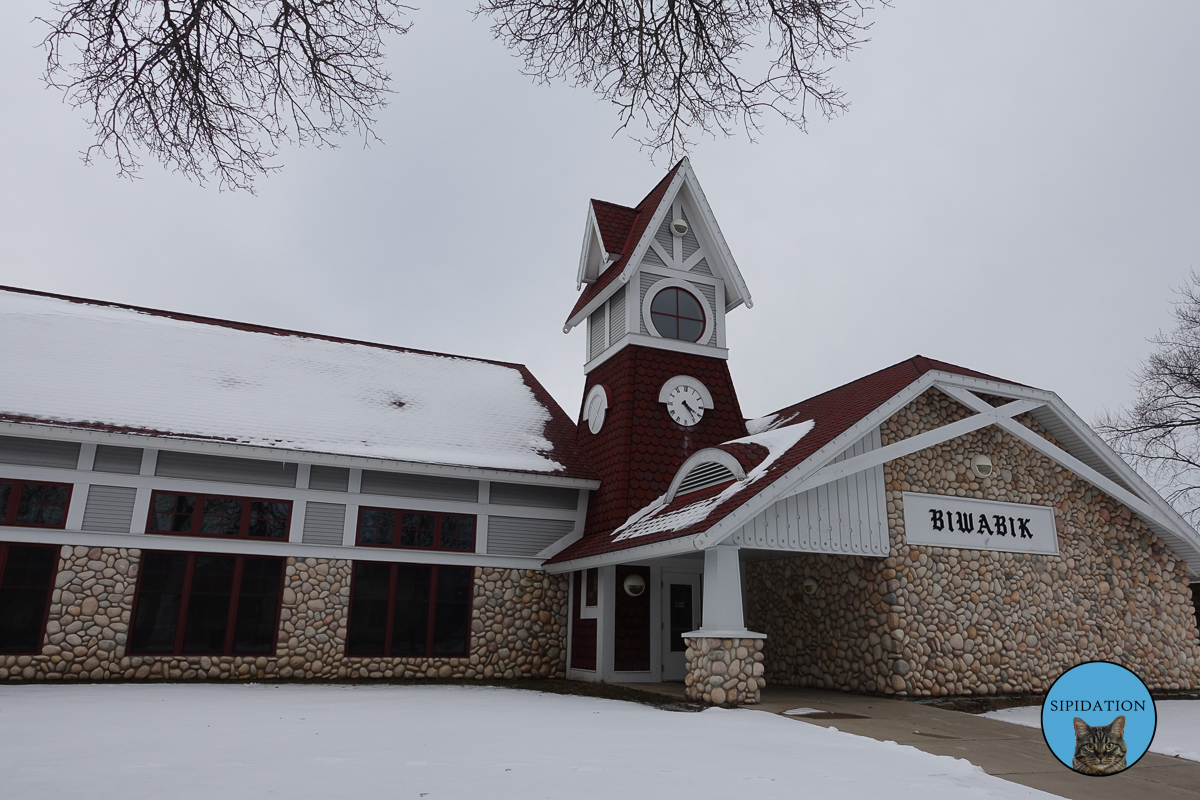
(680, 614)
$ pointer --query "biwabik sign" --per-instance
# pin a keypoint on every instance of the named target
(968, 524)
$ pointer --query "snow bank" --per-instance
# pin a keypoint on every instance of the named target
(1177, 734)
(300, 742)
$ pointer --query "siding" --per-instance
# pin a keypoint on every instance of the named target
(225, 468)
(430, 487)
(664, 236)
(702, 268)
(616, 315)
(519, 494)
(690, 243)
(330, 479)
(847, 516)
(324, 523)
(709, 293)
(516, 536)
(651, 259)
(596, 333)
(38, 452)
(645, 281)
(123, 460)
(109, 509)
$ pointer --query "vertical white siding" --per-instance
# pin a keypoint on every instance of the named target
(847, 517)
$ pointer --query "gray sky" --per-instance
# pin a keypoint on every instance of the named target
(1014, 190)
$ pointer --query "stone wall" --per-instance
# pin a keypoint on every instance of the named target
(724, 672)
(935, 621)
(518, 629)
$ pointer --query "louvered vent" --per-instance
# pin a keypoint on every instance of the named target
(703, 476)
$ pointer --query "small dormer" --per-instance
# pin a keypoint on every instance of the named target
(658, 275)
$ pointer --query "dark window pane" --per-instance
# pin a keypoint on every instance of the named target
(159, 593)
(376, 526)
(268, 520)
(666, 302)
(5, 493)
(416, 530)
(689, 306)
(667, 327)
(222, 516)
(451, 617)
(410, 621)
(681, 615)
(458, 533)
(42, 504)
(24, 593)
(258, 602)
(592, 579)
(368, 609)
(173, 513)
(690, 330)
(208, 604)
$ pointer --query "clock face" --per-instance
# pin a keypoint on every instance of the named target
(685, 405)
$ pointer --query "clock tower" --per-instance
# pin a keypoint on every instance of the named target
(657, 280)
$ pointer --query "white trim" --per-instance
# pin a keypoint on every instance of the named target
(598, 390)
(576, 533)
(150, 443)
(667, 283)
(708, 455)
(645, 340)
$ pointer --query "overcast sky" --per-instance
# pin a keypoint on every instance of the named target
(1014, 190)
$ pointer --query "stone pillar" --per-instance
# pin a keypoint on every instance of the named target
(724, 672)
(725, 661)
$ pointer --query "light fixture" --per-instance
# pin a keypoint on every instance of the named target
(981, 465)
(810, 585)
(634, 585)
(679, 227)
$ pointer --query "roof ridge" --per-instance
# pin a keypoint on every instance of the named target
(250, 327)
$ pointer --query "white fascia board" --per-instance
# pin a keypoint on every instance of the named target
(576, 533)
(200, 544)
(720, 248)
(654, 341)
(591, 228)
(645, 552)
(66, 433)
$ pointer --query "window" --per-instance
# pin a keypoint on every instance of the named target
(38, 505)
(206, 604)
(390, 527)
(26, 580)
(592, 587)
(677, 314)
(228, 517)
(409, 610)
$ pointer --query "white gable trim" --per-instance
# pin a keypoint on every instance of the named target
(592, 239)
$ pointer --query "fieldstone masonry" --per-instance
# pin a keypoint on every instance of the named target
(518, 629)
(940, 621)
(724, 672)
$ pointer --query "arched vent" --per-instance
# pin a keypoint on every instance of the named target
(703, 476)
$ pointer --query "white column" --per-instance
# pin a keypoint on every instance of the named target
(141, 504)
(722, 609)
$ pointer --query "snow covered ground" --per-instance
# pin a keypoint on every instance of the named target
(296, 742)
(1177, 734)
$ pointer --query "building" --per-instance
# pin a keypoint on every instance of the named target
(198, 499)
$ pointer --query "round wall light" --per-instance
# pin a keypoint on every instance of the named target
(981, 465)
(634, 585)
(679, 227)
(810, 585)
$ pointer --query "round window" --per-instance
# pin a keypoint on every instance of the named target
(677, 314)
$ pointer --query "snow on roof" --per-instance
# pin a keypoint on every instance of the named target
(104, 366)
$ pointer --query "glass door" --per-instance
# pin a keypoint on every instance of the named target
(680, 614)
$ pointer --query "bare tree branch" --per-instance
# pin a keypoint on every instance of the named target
(1160, 433)
(675, 66)
(215, 86)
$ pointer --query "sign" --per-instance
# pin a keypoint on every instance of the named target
(968, 524)
(1098, 718)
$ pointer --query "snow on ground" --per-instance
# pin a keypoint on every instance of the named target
(297, 742)
(1177, 734)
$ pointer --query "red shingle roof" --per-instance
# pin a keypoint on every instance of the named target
(622, 228)
(833, 413)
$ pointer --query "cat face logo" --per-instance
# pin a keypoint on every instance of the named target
(1099, 749)
(1098, 718)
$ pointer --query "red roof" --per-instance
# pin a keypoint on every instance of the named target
(832, 413)
(622, 228)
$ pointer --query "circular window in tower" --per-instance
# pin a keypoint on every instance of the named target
(677, 314)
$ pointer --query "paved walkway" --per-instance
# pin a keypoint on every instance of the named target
(1012, 752)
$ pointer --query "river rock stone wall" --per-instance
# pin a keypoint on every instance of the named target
(518, 629)
(724, 672)
(940, 621)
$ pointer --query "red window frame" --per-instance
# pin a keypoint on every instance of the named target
(8, 515)
(185, 597)
(197, 516)
(5, 547)
(398, 529)
(430, 628)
